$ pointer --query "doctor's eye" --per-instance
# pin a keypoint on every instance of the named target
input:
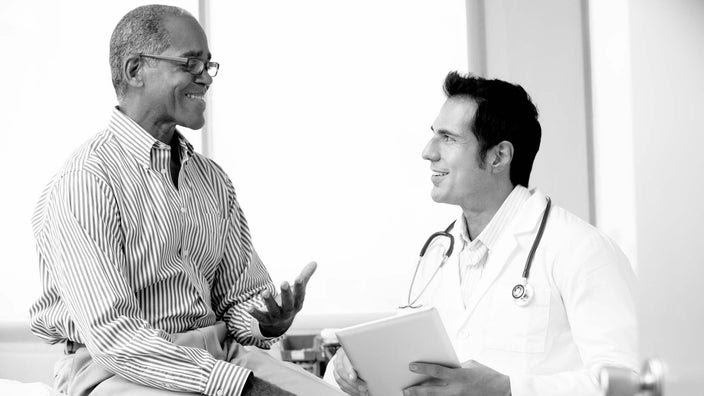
(447, 138)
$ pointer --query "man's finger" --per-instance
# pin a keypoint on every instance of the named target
(299, 286)
(271, 304)
(433, 370)
(260, 316)
(307, 272)
(286, 299)
(299, 295)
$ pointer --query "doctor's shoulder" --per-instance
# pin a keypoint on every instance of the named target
(579, 247)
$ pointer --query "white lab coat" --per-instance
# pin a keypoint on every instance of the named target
(582, 315)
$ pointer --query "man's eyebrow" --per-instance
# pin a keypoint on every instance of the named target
(194, 54)
(444, 132)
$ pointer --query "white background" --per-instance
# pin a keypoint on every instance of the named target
(319, 114)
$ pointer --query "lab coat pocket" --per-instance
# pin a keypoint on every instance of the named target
(515, 328)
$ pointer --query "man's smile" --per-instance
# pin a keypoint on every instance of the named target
(195, 96)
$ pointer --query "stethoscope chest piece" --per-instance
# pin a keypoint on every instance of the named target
(522, 294)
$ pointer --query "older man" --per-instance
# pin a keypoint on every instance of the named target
(534, 299)
(148, 271)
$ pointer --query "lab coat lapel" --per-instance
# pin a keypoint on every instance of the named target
(514, 240)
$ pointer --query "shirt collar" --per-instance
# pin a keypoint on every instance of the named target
(506, 213)
(139, 143)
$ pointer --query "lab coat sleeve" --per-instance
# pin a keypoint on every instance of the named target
(597, 286)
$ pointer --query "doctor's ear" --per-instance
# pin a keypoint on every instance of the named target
(500, 156)
(132, 71)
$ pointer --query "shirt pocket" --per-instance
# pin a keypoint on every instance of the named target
(515, 328)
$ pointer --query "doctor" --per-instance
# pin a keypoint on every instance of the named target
(581, 313)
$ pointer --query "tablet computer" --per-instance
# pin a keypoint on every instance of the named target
(381, 350)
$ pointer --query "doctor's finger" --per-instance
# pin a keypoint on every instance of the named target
(423, 390)
(345, 365)
(344, 368)
(433, 370)
(356, 387)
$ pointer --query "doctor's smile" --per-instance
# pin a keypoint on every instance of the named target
(437, 176)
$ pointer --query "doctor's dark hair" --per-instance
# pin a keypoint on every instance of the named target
(141, 30)
(504, 112)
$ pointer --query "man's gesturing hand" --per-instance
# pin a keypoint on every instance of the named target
(278, 318)
(473, 379)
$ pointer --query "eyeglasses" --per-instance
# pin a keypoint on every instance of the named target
(194, 66)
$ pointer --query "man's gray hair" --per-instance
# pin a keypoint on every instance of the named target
(139, 31)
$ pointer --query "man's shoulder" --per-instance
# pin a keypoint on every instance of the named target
(87, 159)
(564, 229)
(571, 235)
(89, 156)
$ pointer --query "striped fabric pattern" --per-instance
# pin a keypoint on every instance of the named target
(126, 259)
(475, 253)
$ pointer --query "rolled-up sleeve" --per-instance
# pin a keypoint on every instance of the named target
(82, 243)
(240, 280)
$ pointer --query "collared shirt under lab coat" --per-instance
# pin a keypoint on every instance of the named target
(582, 316)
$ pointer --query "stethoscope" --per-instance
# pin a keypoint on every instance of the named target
(522, 293)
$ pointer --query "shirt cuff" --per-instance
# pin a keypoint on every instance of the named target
(226, 379)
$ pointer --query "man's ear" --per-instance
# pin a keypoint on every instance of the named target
(132, 71)
(501, 156)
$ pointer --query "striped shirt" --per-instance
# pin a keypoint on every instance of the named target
(474, 253)
(126, 259)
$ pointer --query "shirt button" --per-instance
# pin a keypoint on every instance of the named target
(163, 171)
(183, 209)
(464, 334)
(219, 392)
(185, 253)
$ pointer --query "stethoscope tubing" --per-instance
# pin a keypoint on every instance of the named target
(524, 294)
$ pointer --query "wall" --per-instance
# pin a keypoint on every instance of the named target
(58, 94)
(542, 45)
(319, 115)
(667, 38)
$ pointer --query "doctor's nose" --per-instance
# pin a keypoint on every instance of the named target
(430, 152)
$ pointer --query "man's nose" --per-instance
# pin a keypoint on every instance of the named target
(430, 151)
(204, 78)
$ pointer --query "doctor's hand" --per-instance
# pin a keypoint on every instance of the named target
(346, 376)
(281, 311)
(472, 379)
